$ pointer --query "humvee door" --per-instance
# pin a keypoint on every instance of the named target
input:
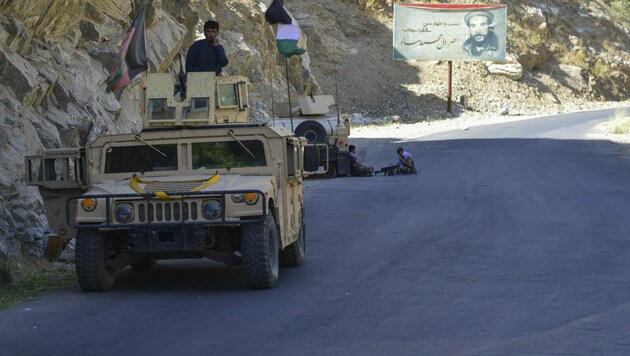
(59, 174)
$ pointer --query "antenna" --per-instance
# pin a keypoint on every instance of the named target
(336, 84)
(181, 77)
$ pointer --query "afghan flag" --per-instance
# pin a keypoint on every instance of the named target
(132, 59)
(288, 32)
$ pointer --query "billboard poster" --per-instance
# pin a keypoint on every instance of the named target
(453, 32)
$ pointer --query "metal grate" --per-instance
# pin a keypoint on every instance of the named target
(165, 211)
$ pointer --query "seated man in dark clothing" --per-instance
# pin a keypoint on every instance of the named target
(207, 55)
(356, 168)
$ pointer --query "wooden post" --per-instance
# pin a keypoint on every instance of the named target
(450, 92)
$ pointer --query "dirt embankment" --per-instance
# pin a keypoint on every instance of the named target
(566, 66)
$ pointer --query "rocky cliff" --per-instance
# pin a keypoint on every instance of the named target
(55, 57)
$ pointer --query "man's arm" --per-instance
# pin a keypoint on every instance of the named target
(222, 59)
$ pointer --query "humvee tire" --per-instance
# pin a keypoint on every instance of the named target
(293, 255)
(312, 130)
(260, 252)
(92, 273)
(144, 265)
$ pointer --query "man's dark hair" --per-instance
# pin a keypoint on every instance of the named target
(400, 149)
(211, 24)
(351, 148)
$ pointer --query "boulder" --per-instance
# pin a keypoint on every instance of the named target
(511, 68)
(573, 77)
(531, 59)
(17, 73)
(391, 119)
(357, 119)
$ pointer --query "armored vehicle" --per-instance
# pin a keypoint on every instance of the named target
(199, 181)
(309, 116)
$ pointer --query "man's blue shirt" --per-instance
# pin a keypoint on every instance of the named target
(204, 57)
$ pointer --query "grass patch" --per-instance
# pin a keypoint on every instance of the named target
(35, 277)
(620, 123)
(577, 58)
(600, 69)
(622, 8)
(536, 38)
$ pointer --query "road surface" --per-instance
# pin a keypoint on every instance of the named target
(514, 239)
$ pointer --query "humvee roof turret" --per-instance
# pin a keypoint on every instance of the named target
(199, 181)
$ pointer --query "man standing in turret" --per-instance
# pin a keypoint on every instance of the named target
(207, 55)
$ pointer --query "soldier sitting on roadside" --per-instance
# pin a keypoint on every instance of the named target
(356, 168)
(406, 165)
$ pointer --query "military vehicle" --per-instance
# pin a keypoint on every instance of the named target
(309, 116)
(199, 181)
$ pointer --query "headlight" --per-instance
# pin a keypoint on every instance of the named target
(211, 209)
(249, 198)
(88, 204)
(123, 213)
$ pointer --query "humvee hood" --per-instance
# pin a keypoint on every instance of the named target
(183, 184)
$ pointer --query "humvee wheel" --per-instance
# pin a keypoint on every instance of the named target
(144, 265)
(92, 273)
(312, 130)
(293, 255)
(260, 253)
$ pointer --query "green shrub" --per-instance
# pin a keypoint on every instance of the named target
(31, 279)
(600, 69)
(622, 7)
(620, 123)
(577, 58)
(6, 272)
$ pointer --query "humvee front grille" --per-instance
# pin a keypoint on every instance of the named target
(167, 211)
(148, 210)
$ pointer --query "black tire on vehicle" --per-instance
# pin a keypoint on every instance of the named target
(144, 265)
(260, 250)
(92, 272)
(293, 255)
(312, 130)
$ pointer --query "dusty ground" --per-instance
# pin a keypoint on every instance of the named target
(366, 137)
(406, 131)
(351, 57)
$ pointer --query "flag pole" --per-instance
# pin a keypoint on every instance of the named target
(336, 83)
(286, 66)
(273, 104)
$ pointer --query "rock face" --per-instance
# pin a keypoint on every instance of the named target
(55, 57)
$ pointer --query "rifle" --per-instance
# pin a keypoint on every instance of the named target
(181, 76)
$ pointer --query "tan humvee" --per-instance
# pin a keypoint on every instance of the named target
(198, 181)
(310, 117)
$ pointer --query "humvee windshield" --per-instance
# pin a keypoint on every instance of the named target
(143, 158)
(205, 155)
(233, 154)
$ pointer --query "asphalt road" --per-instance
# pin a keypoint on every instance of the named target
(514, 239)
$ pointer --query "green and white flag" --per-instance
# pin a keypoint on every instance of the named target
(288, 32)
(287, 38)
